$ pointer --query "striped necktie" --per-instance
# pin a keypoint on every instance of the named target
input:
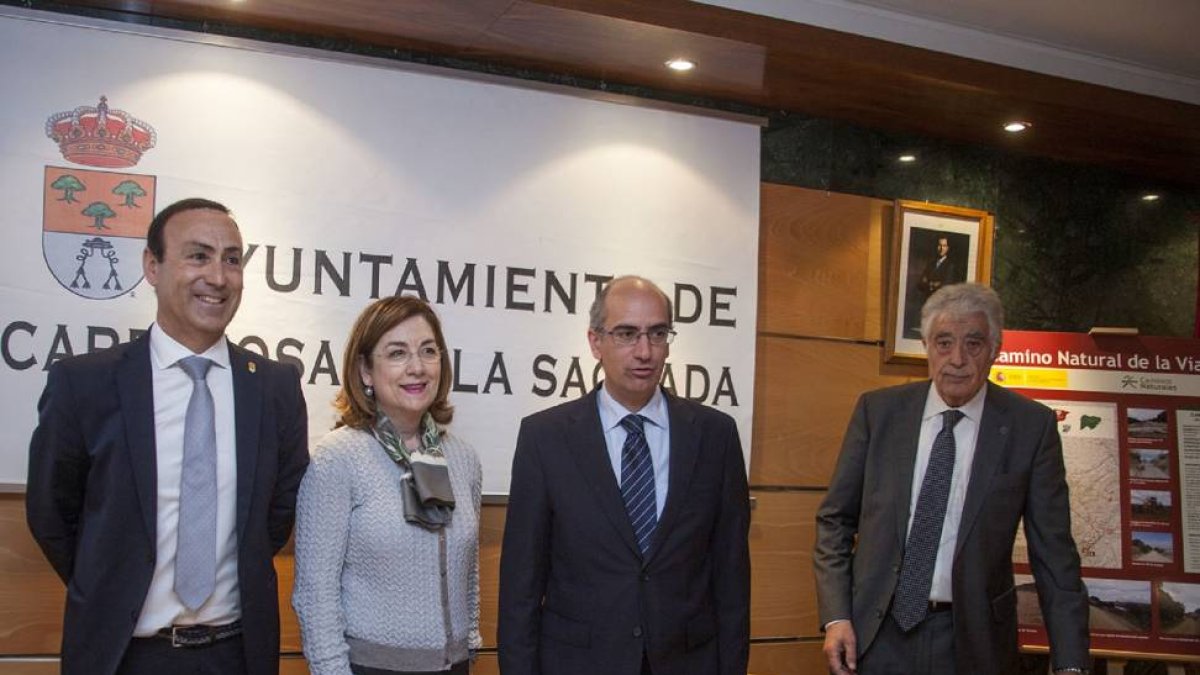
(637, 481)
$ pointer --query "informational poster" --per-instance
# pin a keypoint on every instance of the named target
(1128, 411)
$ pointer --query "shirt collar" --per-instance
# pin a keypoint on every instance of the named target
(973, 409)
(611, 412)
(165, 351)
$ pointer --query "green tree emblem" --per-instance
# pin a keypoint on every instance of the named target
(129, 190)
(99, 211)
(69, 185)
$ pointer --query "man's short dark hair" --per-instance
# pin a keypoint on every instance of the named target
(154, 236)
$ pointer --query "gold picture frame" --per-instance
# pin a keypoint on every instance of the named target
(932, 245)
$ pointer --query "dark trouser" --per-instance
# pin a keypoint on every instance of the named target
(928, 649)
(156, 656)
(463, 668)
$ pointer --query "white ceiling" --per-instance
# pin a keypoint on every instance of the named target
(1146, 46)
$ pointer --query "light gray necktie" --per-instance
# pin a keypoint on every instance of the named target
(196, 550)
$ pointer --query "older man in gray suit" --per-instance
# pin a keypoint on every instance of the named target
(913, 557)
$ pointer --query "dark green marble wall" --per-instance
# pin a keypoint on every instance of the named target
(1075, 245)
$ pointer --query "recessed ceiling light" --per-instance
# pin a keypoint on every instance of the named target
(907, 158)
(1151, 197)
(681, 65)
(1016, 126)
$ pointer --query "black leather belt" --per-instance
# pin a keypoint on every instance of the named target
(199, 636)
(939, 606)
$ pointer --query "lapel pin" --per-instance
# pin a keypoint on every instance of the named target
(251, 366)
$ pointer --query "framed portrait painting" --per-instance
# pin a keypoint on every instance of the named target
(932, 246)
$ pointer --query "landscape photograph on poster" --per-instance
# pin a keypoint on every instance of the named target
(1150, 505)
(1115, 605)
(1146, 424)
(1152, 547)
(1118, 605)
(1179, 608)
(1149, 464)
(1028, 611)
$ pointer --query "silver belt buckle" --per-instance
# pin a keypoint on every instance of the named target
(180, 641)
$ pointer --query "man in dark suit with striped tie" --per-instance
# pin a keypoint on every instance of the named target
(625, 545)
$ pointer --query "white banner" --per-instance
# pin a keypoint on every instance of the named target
(504, 206)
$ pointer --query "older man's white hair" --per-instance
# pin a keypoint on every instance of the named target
(961, 300)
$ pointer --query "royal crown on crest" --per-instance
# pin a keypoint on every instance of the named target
(99, 136)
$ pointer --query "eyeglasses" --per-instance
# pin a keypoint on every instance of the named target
(626, 335)
(399, 356)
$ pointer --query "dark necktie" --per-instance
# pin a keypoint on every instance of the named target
(196, 548)
(637, 481)
(920, 552)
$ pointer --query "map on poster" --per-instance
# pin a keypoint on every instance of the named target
(1091, 453)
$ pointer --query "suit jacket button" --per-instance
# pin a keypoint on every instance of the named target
(879, 614)
(637, 631)
(645, 577)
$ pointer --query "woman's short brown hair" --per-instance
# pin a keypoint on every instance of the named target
(356, 409)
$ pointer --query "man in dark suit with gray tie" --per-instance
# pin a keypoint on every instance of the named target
(625, 544)
(915, 537)
(163, 474)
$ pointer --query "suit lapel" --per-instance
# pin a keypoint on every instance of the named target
(685, 448)
(990, 447)
(248, 393)
(907, 437)
(135, 390)
(587, 446)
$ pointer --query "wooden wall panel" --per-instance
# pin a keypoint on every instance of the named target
(782, 598)
(804, 392)
(289, 626)
(816, 254)
(486, 664)
(491, 533)
(787, 658)
(31, 595)
(44, 667)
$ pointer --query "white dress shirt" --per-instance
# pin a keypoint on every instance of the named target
(965, 434)
(657, 429)
(172, 390)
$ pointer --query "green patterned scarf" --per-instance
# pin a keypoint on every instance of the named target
(425, 486)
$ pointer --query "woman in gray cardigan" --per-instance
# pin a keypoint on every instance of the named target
(387, 522)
